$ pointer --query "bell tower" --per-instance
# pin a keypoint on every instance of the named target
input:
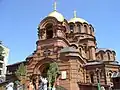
(51, 39)
(52, 26)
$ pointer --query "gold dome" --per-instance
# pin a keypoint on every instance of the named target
(75, 19)
(57, 15)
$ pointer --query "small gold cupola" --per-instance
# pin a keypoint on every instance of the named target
(56, 14)
(76, 19)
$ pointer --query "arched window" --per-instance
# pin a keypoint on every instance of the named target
(108, 55)
(71, 27)
(49, 31)
(101, 55)
(91, 31)
(110, 75)
(114, 54)
(79, 28)
(92, 77)
(85, 47)
(85, 28)
(80, 50)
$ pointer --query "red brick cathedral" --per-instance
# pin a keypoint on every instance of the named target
(72, 45)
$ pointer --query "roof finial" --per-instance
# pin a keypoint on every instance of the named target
(55, 5)
(75, 14)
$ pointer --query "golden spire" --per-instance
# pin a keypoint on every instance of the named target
(75, 14)
(55, 5)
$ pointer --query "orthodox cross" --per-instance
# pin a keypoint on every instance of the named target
(75, 14)
(55, 5)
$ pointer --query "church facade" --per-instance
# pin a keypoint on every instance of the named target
(72, 45)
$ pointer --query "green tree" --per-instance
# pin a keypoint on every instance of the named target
(21, 71)
(49, 77)
(52, 74)
(21, 74)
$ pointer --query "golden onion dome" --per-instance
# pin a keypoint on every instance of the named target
(57, 15)
(75, 19)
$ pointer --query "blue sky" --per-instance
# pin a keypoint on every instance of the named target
(19, 20)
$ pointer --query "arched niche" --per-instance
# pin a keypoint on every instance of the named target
(91, 30)
(101, 52)
(92, 51)
(44, 69)
(86, 27)
(82, 51)
(105, 56)
(114, 55)
(78, 28)
(109, 54)
(45, 25)
(42, 65)
(92, 80)
(49, 30)
(47, 20)
(50, 27)
(72, 27)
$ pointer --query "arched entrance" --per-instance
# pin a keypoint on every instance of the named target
(40, 70)
(42, 66)
(42, 76)
(44, 69)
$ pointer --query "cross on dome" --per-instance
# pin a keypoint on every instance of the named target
(75, 14)
(77, 19)
(55, 5)
(56, 14)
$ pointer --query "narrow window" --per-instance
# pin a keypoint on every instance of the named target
(79, 28)
(85, 28)
(110, 74)
(92, 77)
(101, 54)
(80, 50)
(49, 31)
(71, 27)
(91, 30)
(108, 56)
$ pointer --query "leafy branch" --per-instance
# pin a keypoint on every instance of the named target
(21, 73)
(52, 73)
